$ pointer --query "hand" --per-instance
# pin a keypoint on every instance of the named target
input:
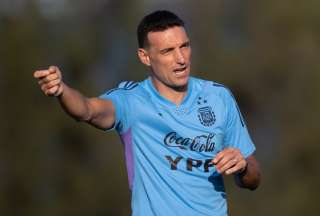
(230, 161)
(50, 81)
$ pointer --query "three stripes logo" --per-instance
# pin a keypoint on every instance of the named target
(126, 85)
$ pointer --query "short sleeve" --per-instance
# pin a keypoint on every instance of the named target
(120, 103)
(237, 135)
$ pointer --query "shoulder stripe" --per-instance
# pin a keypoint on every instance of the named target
(126, 85)
(230, 92)
(111, 90)
(131, 85)
(219, 85)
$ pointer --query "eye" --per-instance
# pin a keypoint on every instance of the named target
(166, 51)
(186, 44)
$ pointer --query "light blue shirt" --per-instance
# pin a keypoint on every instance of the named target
(169, 148)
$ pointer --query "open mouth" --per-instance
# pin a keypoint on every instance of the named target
(180, 71)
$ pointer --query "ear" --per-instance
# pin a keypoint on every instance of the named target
(144, 56)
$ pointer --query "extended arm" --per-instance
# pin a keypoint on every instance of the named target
(97, 112)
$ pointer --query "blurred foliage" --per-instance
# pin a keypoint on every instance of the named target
(266, 51)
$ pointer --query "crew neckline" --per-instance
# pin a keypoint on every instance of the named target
(167, 102)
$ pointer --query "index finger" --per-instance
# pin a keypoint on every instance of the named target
(218, 157)
(41, 73)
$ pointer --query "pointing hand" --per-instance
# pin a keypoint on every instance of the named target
(50, 81)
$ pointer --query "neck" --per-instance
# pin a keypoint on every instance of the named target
(175, 95)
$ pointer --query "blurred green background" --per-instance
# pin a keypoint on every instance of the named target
(267, 52)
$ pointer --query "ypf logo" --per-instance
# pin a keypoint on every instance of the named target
(206, 116)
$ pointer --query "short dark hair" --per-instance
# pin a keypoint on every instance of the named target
(157, 21)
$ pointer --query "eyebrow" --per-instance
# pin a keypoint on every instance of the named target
(187, 43)
(166, 50)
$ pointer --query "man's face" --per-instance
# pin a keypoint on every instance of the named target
(168, 54)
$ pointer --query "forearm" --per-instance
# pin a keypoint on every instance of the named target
(75, 104)
(97, 112)
(250, 178)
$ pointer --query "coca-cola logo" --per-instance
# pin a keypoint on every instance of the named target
(201, 143)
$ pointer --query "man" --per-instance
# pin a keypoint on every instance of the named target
(181, 134)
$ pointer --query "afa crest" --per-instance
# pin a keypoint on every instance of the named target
(206, 116)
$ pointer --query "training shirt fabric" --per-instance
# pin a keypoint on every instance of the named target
(169, 148)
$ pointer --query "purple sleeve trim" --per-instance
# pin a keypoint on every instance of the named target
(127, 141)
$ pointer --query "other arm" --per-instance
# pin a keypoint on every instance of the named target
(246, 171)
(250, 177)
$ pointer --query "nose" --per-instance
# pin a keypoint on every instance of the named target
(180, 59)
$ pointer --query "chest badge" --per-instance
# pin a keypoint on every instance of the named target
(206, 116)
